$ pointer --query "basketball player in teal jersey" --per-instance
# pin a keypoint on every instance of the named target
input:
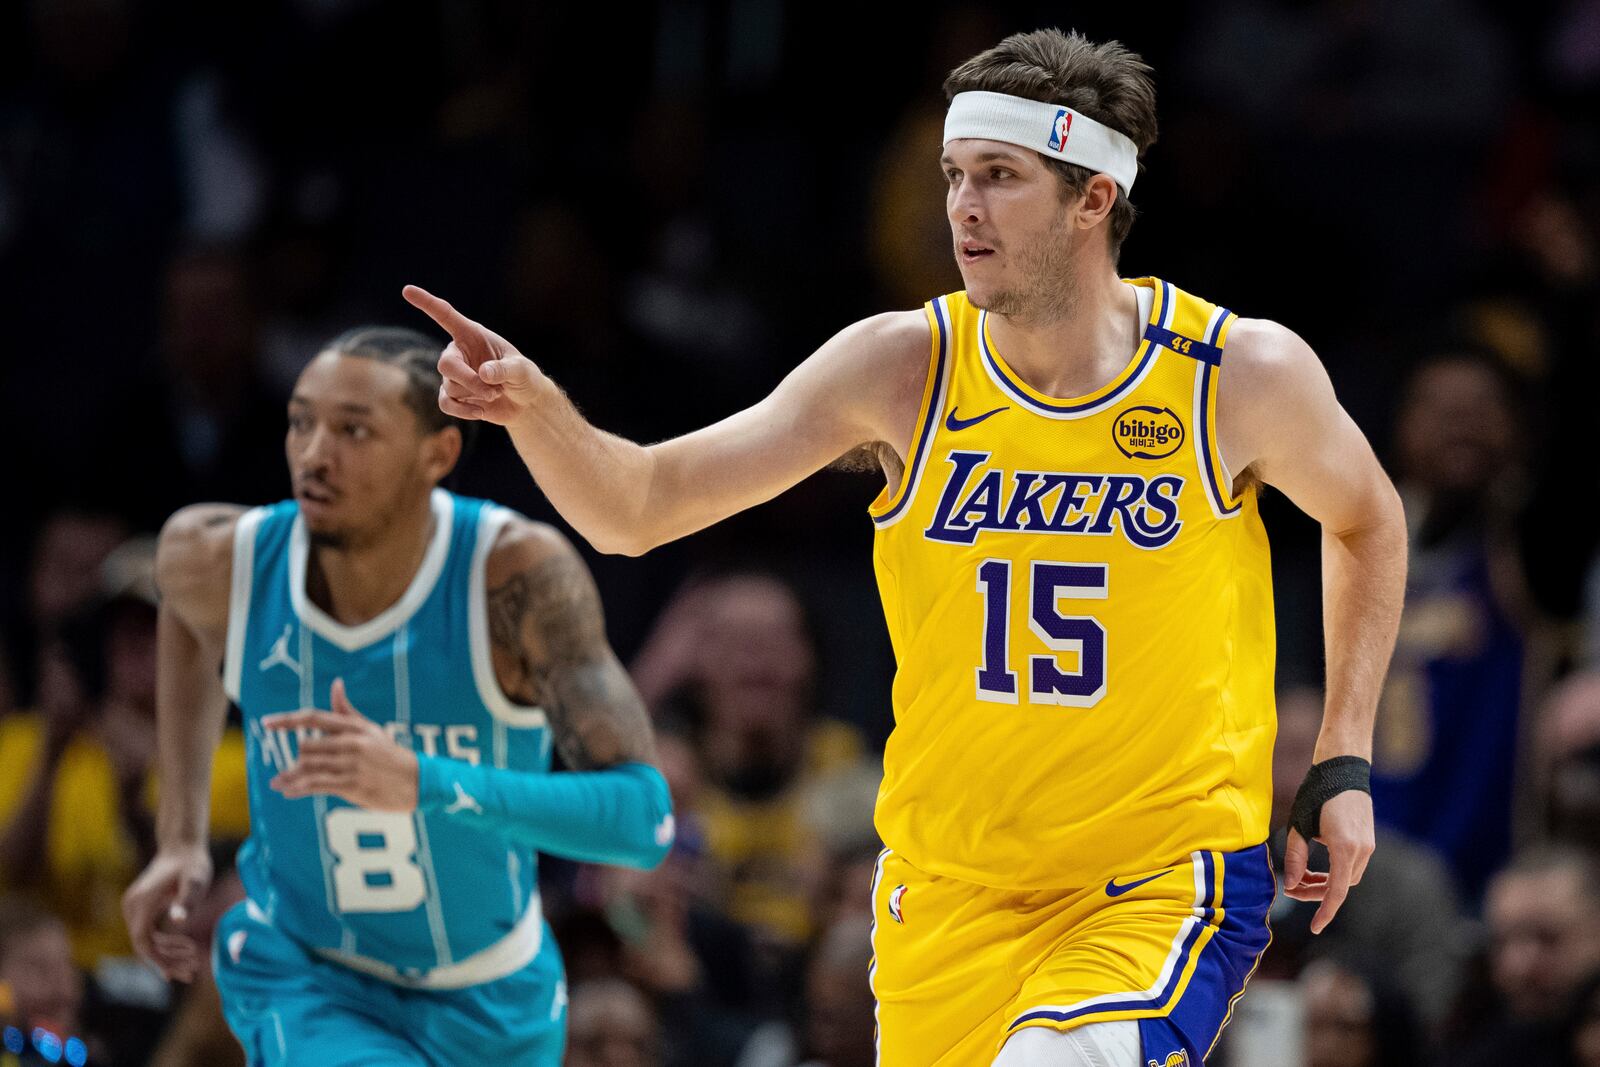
(404, 659)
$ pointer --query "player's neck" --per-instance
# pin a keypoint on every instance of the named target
(357, 582)
(1078, 352)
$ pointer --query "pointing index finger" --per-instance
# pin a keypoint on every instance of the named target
(449, 319)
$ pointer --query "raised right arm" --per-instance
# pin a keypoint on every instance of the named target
(862, 387)
(194, 567)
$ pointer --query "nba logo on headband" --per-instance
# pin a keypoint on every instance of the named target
(1059, 130)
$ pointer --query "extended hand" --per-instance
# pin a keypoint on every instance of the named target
(1347, 831)
(354, 759)
(485, 377)
(156, 908)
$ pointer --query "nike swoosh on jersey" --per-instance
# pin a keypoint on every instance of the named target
(951, 422)
(1115, 890)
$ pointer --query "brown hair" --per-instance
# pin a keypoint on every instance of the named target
(1105, 81)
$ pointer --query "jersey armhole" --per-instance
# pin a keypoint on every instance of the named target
(492, 520)
(244, 562)
(889, 508)
(1218, 482)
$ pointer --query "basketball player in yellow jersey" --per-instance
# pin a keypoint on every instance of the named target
(1075, 578)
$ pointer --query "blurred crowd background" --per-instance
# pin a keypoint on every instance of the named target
(669, 204)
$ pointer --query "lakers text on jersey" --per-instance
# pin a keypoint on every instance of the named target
(1081, 612)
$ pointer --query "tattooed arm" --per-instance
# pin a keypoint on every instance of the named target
(550, 650)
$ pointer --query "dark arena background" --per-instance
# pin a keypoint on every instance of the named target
(668, 205)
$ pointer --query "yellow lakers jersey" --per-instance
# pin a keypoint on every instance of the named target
(1081, 613)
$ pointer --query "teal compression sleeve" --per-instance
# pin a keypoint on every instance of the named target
(620, 815)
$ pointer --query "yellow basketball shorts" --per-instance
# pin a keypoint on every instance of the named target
(958, 967)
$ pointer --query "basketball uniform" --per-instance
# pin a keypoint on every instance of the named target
(382, 937)
(1077, 787)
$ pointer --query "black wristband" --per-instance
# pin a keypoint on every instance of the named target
(1324, 781)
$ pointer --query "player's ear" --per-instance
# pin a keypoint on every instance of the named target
(1099, 197)
(440, 452)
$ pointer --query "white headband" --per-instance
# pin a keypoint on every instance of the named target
(1055, 131)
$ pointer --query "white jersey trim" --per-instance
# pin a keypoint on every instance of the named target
(1205, 379)
(350, 638)
(872, 968)
(922, 444)
(491, 521)
(1145, 354)
(506, 956)
(244, 565)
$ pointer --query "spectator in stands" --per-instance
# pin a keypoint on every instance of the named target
(611, 1024)
(1581, 1033)
(1446, 741)
(735, 654)
(62, 578)
(1567, 761)
(1544, 919)
(1353, 1020)
(835, 1024)
(1543, 912)
(840, 1028)
(1404, 913)
(76, 812)
(665, 935)
(39, 980)
(214, 406)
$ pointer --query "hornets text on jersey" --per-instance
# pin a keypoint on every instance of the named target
(420, 899)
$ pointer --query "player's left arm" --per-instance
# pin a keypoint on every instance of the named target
(550, 649)
(1278, 420)
(547, 631)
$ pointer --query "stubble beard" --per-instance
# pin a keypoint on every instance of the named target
(1049, 288)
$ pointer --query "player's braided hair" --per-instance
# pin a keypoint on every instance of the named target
(415, 353)
(1105, 81)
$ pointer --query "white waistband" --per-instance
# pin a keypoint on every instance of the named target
(506, 956)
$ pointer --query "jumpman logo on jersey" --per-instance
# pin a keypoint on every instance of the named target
(279, 654)
(559, 1001)
(463, 802)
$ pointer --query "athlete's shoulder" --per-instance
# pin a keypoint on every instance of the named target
(886, 340)
(194, 562)
(863, 384)
(1263, 357)
(524, 545)
(1272, 390)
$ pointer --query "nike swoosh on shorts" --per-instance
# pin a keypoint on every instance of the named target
(1115, 890)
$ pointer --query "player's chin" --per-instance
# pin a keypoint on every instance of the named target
(323, 529)
(982, 296)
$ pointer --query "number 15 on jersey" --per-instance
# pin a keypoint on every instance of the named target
(1081, 635)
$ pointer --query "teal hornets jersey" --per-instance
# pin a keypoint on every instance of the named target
(409, 897)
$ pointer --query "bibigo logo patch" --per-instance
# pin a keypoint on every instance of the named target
(1144, 432)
